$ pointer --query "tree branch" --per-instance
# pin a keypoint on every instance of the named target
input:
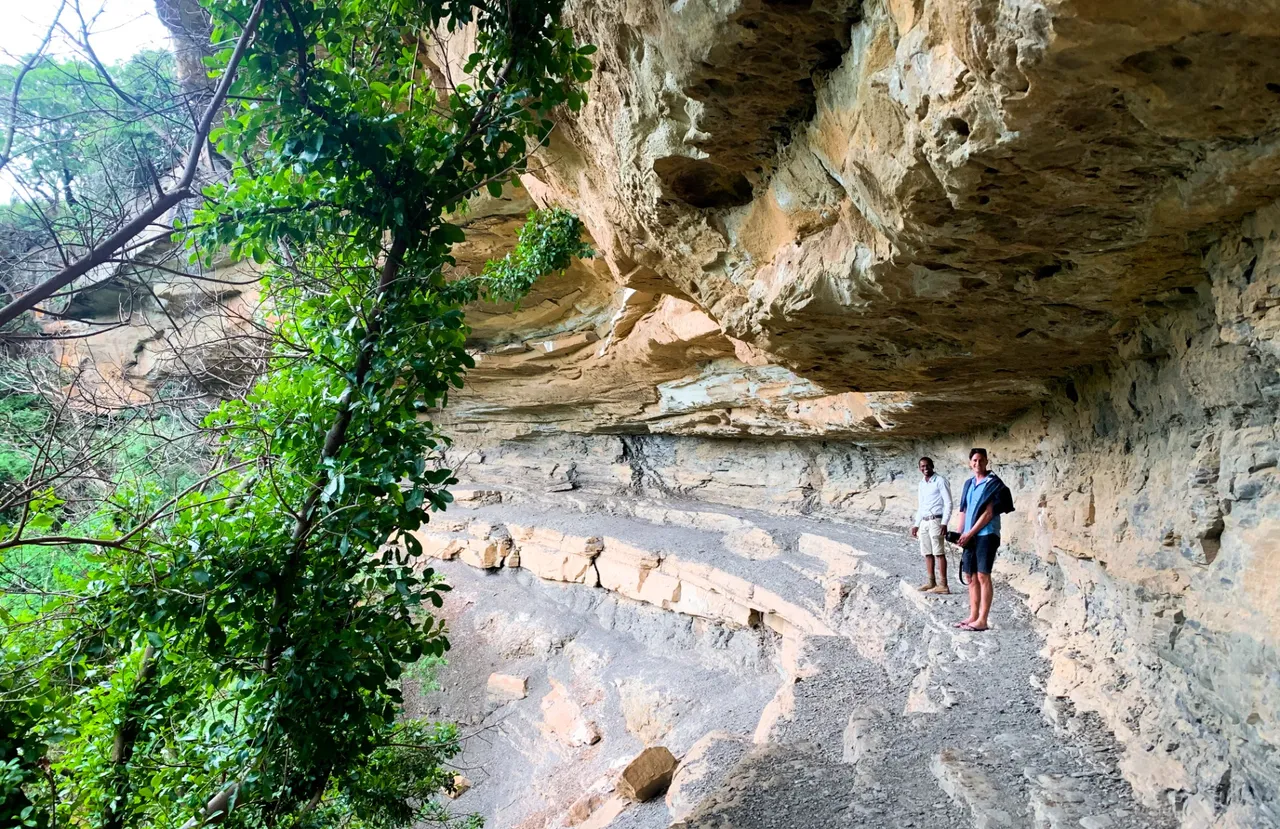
(27, 66)
(182, 191)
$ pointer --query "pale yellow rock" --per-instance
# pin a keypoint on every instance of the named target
(648, 775)
(476, 497)
(552, 555)
(777, 710)
(841, 559)
(584, 807)
(459, 786)
(604, 812)
(440, 545)
(795, 616)
(753, 543)
(564, 720)
(617, 549)
(485, 554)
(508, 685)
(698, 769)
(700, 601)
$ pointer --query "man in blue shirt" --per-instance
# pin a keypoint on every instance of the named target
(984, 499)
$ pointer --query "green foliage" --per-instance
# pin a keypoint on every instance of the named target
(22, 417)
(545, 245)
(246, 636)
(77, 138)
(131, 456)
(399, 783)
(20, 748)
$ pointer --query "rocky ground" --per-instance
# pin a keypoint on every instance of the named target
(853, 702)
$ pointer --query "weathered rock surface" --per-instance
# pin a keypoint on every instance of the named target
(833, 218)
(1144, 539)
(1147, 506)
(648, 775)
(776, 725)
(506, 685)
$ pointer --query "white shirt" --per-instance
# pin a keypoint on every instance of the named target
(933, 498)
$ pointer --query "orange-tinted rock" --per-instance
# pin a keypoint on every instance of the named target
(648, 775)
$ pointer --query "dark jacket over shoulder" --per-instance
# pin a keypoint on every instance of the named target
(999, 495)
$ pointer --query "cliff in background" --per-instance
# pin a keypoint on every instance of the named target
(837, 236)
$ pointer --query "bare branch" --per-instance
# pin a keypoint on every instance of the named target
(27, 66)
(182, 191)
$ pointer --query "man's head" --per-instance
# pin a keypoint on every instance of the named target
(978, 461)
(926, 467)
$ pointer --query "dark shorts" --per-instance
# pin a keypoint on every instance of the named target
(980, 555)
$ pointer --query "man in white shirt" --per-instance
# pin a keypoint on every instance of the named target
(933, 512)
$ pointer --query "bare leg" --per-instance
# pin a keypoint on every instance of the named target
(929, 582)
(983, 580)
(974, 598)
(942, 575)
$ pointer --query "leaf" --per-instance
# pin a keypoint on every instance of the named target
(450, 234)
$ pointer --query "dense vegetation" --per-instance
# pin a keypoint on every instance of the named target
(230, 649)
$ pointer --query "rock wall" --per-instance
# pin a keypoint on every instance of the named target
(850, 218)
(1144, 540)
(834, 236)
(874, 231)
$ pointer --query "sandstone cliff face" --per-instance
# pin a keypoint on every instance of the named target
(956, 201)
(907, 227)
(1144, 540)
(835, 236)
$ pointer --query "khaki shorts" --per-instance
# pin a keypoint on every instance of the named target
(933, 541)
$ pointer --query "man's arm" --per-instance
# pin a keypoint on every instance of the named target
(983, 520)
(946, 503)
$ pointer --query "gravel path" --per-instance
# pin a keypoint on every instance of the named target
(897, 720)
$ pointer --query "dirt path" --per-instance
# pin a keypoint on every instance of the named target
(853, 703)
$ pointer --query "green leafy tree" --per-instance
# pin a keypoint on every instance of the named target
(233, 654)
(85, 135)
(83, 147)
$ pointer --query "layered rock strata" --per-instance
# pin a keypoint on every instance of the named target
(918, 204)
(1144, 538)
(1043, 228)
(650, 635)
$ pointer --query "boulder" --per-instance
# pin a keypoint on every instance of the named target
(506, 685)
(648, 775)
(459, 786)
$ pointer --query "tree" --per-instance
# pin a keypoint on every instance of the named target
(74, 131)
(233, 653)
(131, 220)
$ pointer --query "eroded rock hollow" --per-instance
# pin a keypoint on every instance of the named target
(835, 236)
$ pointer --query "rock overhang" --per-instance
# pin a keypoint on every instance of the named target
(949, 206)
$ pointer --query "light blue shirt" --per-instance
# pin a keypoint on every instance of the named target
(971, 515)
